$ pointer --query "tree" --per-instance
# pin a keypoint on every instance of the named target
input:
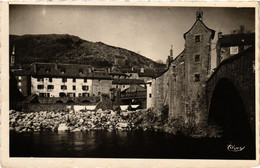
(159, 61)
(241, 30)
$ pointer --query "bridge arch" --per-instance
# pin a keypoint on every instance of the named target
(227, 110)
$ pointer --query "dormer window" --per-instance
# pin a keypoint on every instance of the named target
(47, 70)
(197, 38)
(63, 70)
(80, 71)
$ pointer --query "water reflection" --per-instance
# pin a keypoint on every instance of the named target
(118, 144)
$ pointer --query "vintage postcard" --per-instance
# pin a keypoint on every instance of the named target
(133, 84)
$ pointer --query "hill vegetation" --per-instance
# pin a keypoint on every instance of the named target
(72, 49)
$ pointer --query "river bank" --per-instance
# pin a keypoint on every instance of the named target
(68, 120)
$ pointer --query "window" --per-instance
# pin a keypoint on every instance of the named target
(150, 95)
(41, 94)
(85, 80)
(40, 86)
(85, 88)
(71, 94)
(197, 38)
(74, 87)
(20, 78)
(44, 94)
(50, 79)
(39, 79)
(63, 87)
(64, 79)
(197, 77)
(174, 78)
(99, 93)
(80, 71)
(234, 50)
(197, 58)
(85, 94)
(73, 80)
(50, 87)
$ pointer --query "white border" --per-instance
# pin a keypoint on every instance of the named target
(107, 163)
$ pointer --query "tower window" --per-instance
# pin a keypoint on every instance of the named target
(50, 79)
(74, 87)
(74, 79)
(150, 95)
(85, 80)
(197, 58)
(197, 38)
(197, 77)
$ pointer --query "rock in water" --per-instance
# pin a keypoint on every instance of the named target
(62, 127)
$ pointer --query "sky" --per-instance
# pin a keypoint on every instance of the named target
(149, 31)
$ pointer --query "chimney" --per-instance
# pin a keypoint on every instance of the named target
(171, 52)
(220, 35)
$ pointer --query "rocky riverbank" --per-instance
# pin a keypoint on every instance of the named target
(68, 120)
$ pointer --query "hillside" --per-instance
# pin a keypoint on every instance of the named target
(72, 49)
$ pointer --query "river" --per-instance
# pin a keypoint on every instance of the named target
(121, 144)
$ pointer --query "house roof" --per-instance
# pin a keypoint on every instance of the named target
(198, 20)
(237, 39)
(134, 88)
(67, 70)
(147, 72)
(128, 81)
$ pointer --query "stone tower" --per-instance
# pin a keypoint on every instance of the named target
(197, 67)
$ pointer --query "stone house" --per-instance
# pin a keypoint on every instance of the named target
(231, 44)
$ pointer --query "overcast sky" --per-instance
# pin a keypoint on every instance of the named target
(149, 31)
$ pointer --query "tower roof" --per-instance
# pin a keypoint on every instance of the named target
(199, 18)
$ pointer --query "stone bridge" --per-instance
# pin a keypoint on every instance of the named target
(231, 95)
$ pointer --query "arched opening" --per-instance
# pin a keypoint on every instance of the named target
(227, 111)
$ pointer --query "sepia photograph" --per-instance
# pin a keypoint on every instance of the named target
(133, 82)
